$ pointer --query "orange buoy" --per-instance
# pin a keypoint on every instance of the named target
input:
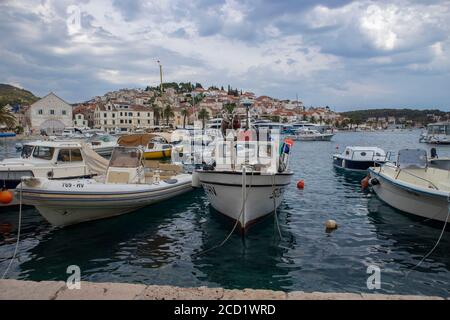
(301, 184)
(6, 196)
(365, 183)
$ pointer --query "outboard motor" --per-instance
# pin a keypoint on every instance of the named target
(433, 153)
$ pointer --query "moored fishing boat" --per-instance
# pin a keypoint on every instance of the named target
(410, 185)
(359, 158)
(128, 185)
(155, 146)
(247, 186)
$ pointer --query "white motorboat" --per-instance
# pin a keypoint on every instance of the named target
(436, 133)
(128, 185)
(410, 185)
(248, 189)
(50, 159)
(359, 158)
(312, 135)
(103, 145)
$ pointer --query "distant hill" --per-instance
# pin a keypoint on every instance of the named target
(422, 116)
(13, 95)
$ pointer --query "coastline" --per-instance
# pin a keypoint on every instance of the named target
(57, 290)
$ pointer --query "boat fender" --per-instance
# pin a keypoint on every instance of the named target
(374, 182)
(365, 183)
(301, 184)
(195, 180)
(6, 196)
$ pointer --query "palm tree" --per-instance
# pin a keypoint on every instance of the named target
(229, 107)
(203, 115)
(7, 118)
(168, 113)
(184, 113)
(156, 113)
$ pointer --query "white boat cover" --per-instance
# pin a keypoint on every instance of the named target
(95, 163)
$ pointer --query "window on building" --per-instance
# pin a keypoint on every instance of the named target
(114, 122)
(105, 115)
(148, 121)
(139, 114)
(148, 114)
(52, 111)
(129, 121)
(64, 112)
(40, 111)
(113, 115)
(139, 121)
(121, 114)
(130, 114)
(45, 153)
(121, 121)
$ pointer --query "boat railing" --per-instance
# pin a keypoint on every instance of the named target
(410, 173)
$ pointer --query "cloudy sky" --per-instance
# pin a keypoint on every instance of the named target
(345, 54)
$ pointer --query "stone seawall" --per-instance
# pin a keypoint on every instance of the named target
(57, 290)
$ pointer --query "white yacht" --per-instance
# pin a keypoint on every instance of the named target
(410, 185)
(129, 184)
(51, 159)
(311, 135)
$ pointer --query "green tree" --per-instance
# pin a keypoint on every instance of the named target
(185, 114)
(229, 107)
(203, 115)
(168, 113)
(7, 118)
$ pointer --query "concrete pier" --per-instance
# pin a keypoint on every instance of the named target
(57, 290)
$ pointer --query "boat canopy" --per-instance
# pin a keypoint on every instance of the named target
(412, 158)
(136, 140)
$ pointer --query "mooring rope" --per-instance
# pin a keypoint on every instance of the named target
(275, 207)
(437, 242)
(18, 233)
(244, 201)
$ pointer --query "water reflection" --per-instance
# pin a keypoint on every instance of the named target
(262, 253)
(410, 234)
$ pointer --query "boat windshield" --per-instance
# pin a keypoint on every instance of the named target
(27, 151)
(125, 158)
(43, 152)
(412, 158)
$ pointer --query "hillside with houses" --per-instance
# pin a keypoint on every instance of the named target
(182, 104)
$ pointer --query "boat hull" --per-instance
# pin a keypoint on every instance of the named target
(66, 203)
(415, 202)
(263, 194)
(322, 137)
(353, 165)
(148, 155)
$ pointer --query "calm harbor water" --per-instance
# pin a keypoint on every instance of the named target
(158, 244)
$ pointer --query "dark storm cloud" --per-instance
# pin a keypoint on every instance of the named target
(342, 53)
